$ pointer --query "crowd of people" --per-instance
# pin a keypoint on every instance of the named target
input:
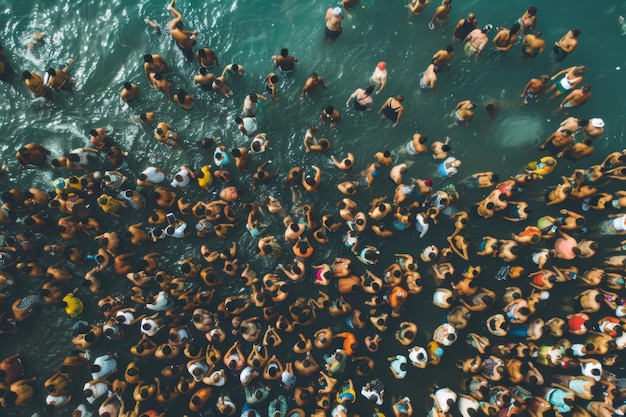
(195, 332)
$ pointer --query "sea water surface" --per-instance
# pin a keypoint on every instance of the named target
(107, 41)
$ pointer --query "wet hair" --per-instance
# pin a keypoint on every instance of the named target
(436, 69)
(51, 72)
(182, 94)
(576, 32)
(201, 53)
(206, 142)
(532, 10)
(329, 110)
(387, 153)
(253, 98)
(274, 78)
(238, 120)
(449, 48)
(369, 90)
(236, 152)
(586, 88)
(27, 75)
(446, 148)
(128, 86)
(400, 98)
(284, 52)
(147, 58)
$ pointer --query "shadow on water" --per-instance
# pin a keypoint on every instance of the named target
(518, 131)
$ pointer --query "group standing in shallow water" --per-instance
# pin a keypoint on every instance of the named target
(210, 341)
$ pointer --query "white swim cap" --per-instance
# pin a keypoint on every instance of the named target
(597, 122)
(337, 11)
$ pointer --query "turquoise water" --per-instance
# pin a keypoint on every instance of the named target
(107, 41)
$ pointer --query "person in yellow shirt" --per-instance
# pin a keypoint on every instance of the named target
(110, 205)
(204, 177)
(542, 167)
(73, 305)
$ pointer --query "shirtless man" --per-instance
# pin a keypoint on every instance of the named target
(220, 86)
(464, 112)
(349, 4)
(534, 89)
(528, 21)
(158, 82)
(204, 78)
(284, 61)
(207, 58)
(233, 70)
(580, 150)
(416, 145)
(35, 83)
(557, 141)
(576, 98)
(417, 6)
(442, 13)
(32, 154)
(185, 39)
(154, 63)
(506, 38)
(129, 92)
(566, 45)
(429, 78)
(476, 41)
(533, 44)
(333, 23)
(440, 149)
(312, 84)
(379, 77)
(443, 57)
(396, 173)
(58, 79)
